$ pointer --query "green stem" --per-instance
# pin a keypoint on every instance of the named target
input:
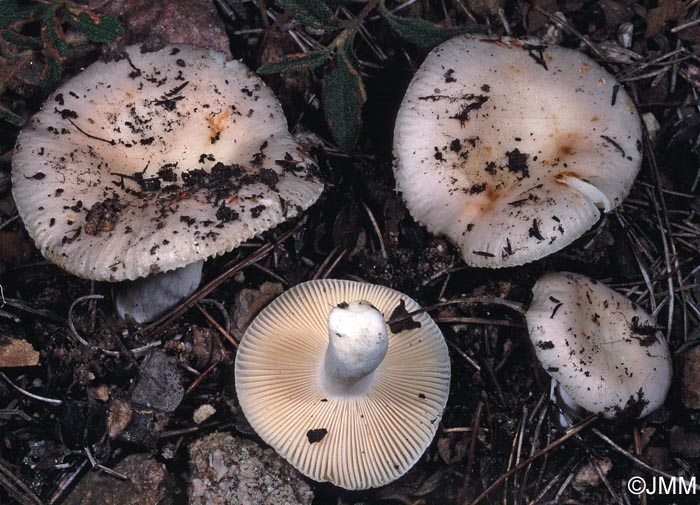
(21, 60)
(349, 31)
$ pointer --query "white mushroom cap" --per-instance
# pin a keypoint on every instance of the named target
(206, 136)
(358, 429)
(509, 149)
(604, 351)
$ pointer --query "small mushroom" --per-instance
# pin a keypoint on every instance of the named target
(154, 161)
(343, 398)
(606, 354)
(510, 148)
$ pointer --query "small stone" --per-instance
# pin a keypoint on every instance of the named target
(204, 346)
(249, 302)
(193, 22)
(690, 378)
(99, 392)
(148, 482)
(226, 469)
(158, 385)
(202, 413)
(684, 443)
(485, 7)
(652, 125)
(271, 288)
(659, 458)
(453, 448)
(535, 19)
(83, 375)
(118, 418)
(588, 475)
(133, 425)
(15, 352)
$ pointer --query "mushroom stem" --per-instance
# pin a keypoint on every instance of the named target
(357, 344)
(146, 298)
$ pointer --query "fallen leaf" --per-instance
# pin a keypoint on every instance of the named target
(668, 10)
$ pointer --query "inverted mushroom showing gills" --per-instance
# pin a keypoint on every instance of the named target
(510, 148)
(605, 352)
(155, 161)
(325, 382)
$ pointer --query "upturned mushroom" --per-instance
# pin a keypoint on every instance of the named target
(144, 166)
(342, 397)
(606, 354)
(511, 148)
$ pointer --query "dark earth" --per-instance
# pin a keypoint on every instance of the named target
(97, 410)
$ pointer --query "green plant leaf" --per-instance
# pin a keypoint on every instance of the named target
(338, 3)
(21, 41)
(51, 74)
(421, 32)
(9, 116)
(295, 62)
(343, 97)
(312, 13)
(55, 47)
(20, 18)
(12, 11)
(97, 28)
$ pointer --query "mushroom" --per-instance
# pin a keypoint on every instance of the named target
(606, 354)
(148, 164)
(343, 398)
(510, 148)
(145, 298)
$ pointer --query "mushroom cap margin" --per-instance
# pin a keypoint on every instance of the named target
(495, 149)
(602, 349)
(183, 107)
(368, 440)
